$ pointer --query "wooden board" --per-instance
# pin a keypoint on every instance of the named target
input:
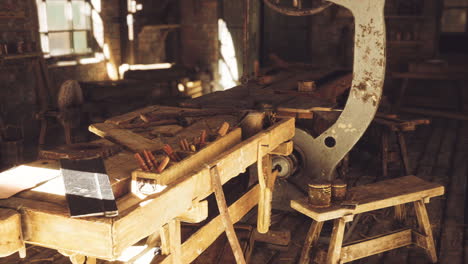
(126, 138)
(374, 196)
(193, 162)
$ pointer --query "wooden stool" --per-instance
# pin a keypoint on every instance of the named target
(389, 124)
(394, 192)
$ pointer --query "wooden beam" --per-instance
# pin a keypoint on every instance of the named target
(376, 245)
(196, 214)
(310, 241)
(425, 229)
(225, 217)
(205, 236)
(126, 138)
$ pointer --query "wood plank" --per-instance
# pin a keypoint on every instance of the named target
(193, 162)
(376, 245)
(205, 236)
(126, 138)
(374, 196)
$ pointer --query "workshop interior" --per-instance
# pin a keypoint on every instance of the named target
(233, 131)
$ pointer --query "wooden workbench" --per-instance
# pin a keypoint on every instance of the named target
(46, 221)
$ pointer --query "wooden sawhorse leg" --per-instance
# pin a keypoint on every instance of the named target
(310, 241)
(336, 241)
(425, 229)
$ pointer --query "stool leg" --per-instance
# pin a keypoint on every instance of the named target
(425, 229)
(403, 152)
(400, 213)
(310, 241)
(385, 152)
(336, 241)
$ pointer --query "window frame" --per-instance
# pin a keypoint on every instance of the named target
(72, 55)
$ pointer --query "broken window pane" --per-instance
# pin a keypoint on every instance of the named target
(59, 43)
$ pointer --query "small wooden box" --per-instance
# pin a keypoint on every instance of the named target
(188, 164)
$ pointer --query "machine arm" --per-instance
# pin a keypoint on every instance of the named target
(368, 79)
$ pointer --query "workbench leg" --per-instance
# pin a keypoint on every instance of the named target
(310, 241)
(165, 241)
(425, 229)
(225, 217)
(385, 136)
(266, 180)
(90, 260)
(403, 152)
(336, 241)
(175, 241)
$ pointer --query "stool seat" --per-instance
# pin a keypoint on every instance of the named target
(366, 198)
(372, 197)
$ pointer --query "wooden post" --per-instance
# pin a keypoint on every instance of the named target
(403, 152)
(310, 241)
(336, 241)
(225, 217)
(266, 180)
(425, 229)
(175, 241)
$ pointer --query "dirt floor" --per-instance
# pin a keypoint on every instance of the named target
(437, 153)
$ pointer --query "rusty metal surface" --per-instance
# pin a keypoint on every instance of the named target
(366, 91)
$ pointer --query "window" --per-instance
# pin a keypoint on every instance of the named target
(65, 27)
(454, 16)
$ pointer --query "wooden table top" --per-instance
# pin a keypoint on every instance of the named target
(373, 197)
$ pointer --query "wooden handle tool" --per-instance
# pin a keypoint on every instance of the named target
(141, 162)
(163, 164)
(202, 139)
(223, 129)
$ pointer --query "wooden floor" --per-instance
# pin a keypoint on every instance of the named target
(438, 153)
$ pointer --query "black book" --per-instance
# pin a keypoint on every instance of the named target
(87, 188)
